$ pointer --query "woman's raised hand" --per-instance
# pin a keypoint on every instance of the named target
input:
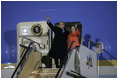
(76, 25)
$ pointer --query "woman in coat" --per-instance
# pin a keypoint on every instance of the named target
(74, 36)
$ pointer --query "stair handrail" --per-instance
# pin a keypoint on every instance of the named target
(21, 60)
(95, 44)
(27, 49)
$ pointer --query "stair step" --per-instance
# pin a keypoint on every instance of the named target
(45, 73)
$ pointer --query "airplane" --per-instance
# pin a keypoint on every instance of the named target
(97, 56)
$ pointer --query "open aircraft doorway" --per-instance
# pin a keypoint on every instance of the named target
(68, 26)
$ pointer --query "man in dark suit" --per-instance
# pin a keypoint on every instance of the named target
(59, 45)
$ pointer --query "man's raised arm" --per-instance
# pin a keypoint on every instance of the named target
(50, 24)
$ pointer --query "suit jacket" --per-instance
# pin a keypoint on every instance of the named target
(59, 44)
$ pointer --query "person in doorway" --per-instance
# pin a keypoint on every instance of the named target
(74, 36)
(59, 45)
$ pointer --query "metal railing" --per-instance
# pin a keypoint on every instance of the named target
(111, 56)
(93, 43)
(89, 42)
(24, 55)
(21, 60)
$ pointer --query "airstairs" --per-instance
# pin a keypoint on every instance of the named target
(81, 63)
